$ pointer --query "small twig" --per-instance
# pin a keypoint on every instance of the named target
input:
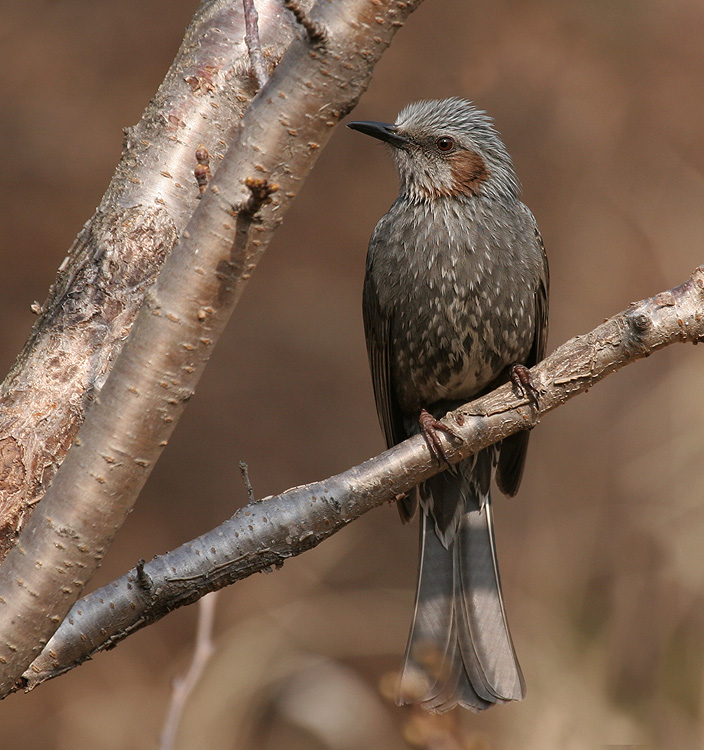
(143, 578)
(314, 31)
(202, 170)
(183, 686)
(254, 45)
(244, 471)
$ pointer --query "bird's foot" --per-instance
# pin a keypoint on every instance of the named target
(430, 427)
(523, 383)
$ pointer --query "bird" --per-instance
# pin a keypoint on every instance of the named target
(455, 303)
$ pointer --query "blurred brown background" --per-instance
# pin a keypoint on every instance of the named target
(601, 104)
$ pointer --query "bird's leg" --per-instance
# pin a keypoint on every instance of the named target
(523, 383)
(429, 427)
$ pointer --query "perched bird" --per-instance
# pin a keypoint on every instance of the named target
(455, 304)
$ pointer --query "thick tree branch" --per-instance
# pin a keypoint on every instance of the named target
(182, 317)
(100, 285)
(266, 533)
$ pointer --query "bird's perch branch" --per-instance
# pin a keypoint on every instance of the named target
(264, 534)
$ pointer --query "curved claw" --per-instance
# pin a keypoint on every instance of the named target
(523, 383)
(429, 427)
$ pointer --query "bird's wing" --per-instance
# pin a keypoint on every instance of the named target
(377, 327)
(540, 341)
(513, 450)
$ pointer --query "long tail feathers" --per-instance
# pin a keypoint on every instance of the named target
(460, 650)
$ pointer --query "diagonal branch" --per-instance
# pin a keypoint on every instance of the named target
(182, 317)
(264, 534)
(116, 257)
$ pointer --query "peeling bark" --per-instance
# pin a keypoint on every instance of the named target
(89, 314)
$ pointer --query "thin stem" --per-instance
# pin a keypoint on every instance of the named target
(183, 686)
(254, 45)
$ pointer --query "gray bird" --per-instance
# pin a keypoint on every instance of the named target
(455, 304)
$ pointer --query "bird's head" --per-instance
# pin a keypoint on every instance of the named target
(446, 148)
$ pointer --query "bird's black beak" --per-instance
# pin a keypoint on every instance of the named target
(384, 131)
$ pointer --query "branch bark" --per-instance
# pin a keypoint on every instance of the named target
(264, 534)
(116, 257)
(182, 317)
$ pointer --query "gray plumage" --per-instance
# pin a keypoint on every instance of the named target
(455, 294)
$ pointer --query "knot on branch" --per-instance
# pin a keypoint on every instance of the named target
(638, 325)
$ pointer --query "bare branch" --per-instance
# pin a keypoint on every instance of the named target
(182, 317)
(254, 45)
(264, 534)
(244, 471)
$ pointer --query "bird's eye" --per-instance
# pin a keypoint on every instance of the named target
(445, 144)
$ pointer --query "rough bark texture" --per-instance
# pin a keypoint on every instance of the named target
(182, 317)
(264, 534)
(101, 283)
